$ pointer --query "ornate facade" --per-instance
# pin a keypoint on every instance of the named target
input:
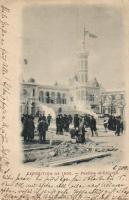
(81, 91)
(60, 98)
(113, 102)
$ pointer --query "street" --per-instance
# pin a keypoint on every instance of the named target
(104, 142)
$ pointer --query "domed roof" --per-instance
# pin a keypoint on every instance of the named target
(31, 80)
(93, 83)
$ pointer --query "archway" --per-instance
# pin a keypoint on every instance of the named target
(41, 96)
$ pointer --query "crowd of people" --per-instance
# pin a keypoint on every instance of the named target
(62, 123)
(79, 123)
(29, 127)
(114, 123)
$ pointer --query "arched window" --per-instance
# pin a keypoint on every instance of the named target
(25, 95)
(47, 97)
(53, 99)
(41, 96)
(58, 98)
(25, 92)
(63, 98)
(33, 93)
(113, 97)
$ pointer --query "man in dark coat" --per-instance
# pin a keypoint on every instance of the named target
(121, 126)
(113, 123)
(76, 121)
(118, 126)
(93, 126)
(70, 119)
(49, 117)
(42, 117)
(31, 127)
(59, 124)
(83, 139)
(42, 128)
(25, 131)
(66, 123)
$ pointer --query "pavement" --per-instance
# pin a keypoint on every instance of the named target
(107, 139)
(104, 139)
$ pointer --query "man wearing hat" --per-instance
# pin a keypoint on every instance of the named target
(42, 128)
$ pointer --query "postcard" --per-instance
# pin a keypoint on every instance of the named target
(64, 100)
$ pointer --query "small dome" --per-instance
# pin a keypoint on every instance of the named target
(56, 83)
(31, 80)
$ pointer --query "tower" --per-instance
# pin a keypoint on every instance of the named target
(82, 69)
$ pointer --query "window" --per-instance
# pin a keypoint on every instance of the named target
(113, 97)
(33, 92)
(104, 98)
(58, 98)
(53, 100)
(91, 97)
(41, 96)
(63, 98)
(47, 97)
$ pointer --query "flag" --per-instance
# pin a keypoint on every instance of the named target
(92, 35)
(25, 61)
(85, 32)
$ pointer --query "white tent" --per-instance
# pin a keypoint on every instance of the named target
(47, 110)
(84, 110)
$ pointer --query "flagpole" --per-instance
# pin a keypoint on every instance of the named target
(84, 39)
(87, 34)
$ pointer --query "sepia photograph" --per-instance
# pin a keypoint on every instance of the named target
(73, 97)
(64, 90)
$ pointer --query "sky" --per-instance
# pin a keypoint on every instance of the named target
(52, 40)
